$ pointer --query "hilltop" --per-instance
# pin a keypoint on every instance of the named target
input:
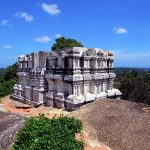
(119, 124)
(122, 125)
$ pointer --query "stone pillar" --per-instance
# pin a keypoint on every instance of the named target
(19, 92)
(105, 64)
(70, 62)
(76, 65)
(20, 64)
(96, 89)
(35, 62)
(110, 84)
(76, 90)
(86, 66)
(105, 86)
(42, 59)
(86, 88)
(29, 61)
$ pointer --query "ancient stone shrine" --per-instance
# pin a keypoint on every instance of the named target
(67, 78)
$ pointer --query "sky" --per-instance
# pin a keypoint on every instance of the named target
(122, 26)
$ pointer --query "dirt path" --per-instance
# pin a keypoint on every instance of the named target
(26, 110)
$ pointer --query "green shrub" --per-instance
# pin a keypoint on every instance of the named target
(41, 133)
(135, 86)
(6, 87)
(8, 78)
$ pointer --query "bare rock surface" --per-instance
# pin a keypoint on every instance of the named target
(121, 125)
(2, 108)
(9, 125)
(22, 105)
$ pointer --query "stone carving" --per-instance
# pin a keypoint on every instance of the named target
(65, 79)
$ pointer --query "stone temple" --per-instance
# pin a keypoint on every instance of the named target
(67, 78)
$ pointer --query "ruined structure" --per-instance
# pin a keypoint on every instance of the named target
(67, 78)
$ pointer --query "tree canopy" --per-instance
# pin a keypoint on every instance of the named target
(135, 86)
(7, 80)
(63, 42)
(10, 72)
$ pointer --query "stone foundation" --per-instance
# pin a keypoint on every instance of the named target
(72, 107)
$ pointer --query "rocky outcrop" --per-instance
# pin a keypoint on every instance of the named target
(121, 125)
(9, 125)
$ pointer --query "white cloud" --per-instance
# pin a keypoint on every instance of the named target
(7, 46)
(5, 22)
(120, 30)
(43, 39)
(25, 16)
(58, 35)
(51, 9)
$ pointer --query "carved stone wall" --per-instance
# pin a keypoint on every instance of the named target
(67, 78)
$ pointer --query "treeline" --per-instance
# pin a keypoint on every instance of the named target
(8, 78)
(2, 70)
(135, 86)
(120, 70)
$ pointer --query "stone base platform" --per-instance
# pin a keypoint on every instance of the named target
(22, 100)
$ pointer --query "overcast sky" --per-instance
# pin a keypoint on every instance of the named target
(122, 26)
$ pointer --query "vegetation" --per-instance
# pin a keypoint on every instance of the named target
(8, 78)
(41, 133)
(63, 42)
(135, 86)
(120, 70)
(2, 70)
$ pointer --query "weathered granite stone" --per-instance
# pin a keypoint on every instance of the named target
(67, 78)
(2, 108)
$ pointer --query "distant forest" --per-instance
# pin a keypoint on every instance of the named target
(120, 70)
(134, 83)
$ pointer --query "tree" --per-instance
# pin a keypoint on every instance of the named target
(135, 86)
(8, 79)
(10, 72)
(63, 42)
